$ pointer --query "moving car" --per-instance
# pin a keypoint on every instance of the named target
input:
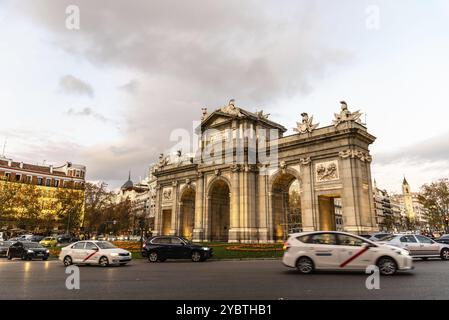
(333, 250)
(49, 242)
(27, 251)
(4, 246)
(94, 252)
(161, 248)
(419, 246)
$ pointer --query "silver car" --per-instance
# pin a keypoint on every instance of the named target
(418, 246)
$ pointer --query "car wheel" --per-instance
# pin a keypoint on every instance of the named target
(305, 265)
(387, 266)
(104, 262)
(196, 256)
(67, 261)
(444, 254)
(153, 257)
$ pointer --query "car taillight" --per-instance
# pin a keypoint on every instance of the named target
(286, 246)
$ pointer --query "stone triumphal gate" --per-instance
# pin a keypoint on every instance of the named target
(230, 194)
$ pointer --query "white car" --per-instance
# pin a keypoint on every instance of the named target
(332, 250)
(94, 252)
(418, 246)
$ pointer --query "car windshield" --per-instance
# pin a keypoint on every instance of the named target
(31, 245)
(105, 245)
(185, 240)
(387, 237)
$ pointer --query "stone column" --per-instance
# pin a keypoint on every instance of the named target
(234, 234)
(158, 212)
(308, 212)
(174, 210)
(351, 195)
(262, 208)
(198, 231)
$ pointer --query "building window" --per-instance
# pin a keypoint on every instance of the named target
(39, 181)
(8, 175)
(18, 177)
(78, 174)
(48, 182)
(29, 179)
(57, 183)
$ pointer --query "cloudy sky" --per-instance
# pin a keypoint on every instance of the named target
(109, 94)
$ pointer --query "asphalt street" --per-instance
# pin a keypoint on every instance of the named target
(261, 279)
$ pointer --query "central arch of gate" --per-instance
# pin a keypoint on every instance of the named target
(320, 179)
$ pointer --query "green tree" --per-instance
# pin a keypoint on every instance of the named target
(435, 199)
(69, 208)
(29, 207)
(8, 201)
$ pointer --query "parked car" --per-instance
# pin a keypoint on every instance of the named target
(66, 239)
(443, 239)
(161, 248)
(419, 246)
(49, 242)
(19, 239)
(333, 250)
(4, 246)
(94, 252)
(27, 251)
(377, 236)
(36, 238)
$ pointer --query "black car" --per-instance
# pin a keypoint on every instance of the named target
(27, 251)
(444, 239)
(161, 248)
(66, 238)
(4, 246)
(36, 238)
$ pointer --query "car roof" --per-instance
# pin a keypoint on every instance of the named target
(316, 232)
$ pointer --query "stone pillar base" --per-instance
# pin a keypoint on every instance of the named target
(308, 229)
(243, 235)
(198, 235)
(360, 230)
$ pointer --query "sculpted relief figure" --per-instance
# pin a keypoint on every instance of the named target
(346, 115)
(232, 109)
(327, 171)
(205, 114)
(163, 161)
(306, 125)
(261, 115)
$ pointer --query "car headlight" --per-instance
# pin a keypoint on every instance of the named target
(30, 251)
(48, 251)
(205, 248)
(114, 254)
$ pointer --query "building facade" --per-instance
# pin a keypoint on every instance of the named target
(47, 182)
(237, 187)
(142, 196)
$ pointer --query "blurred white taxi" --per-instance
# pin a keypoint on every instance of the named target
(332, 250)
(94, 252)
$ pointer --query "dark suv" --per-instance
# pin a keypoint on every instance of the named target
(161, 248)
